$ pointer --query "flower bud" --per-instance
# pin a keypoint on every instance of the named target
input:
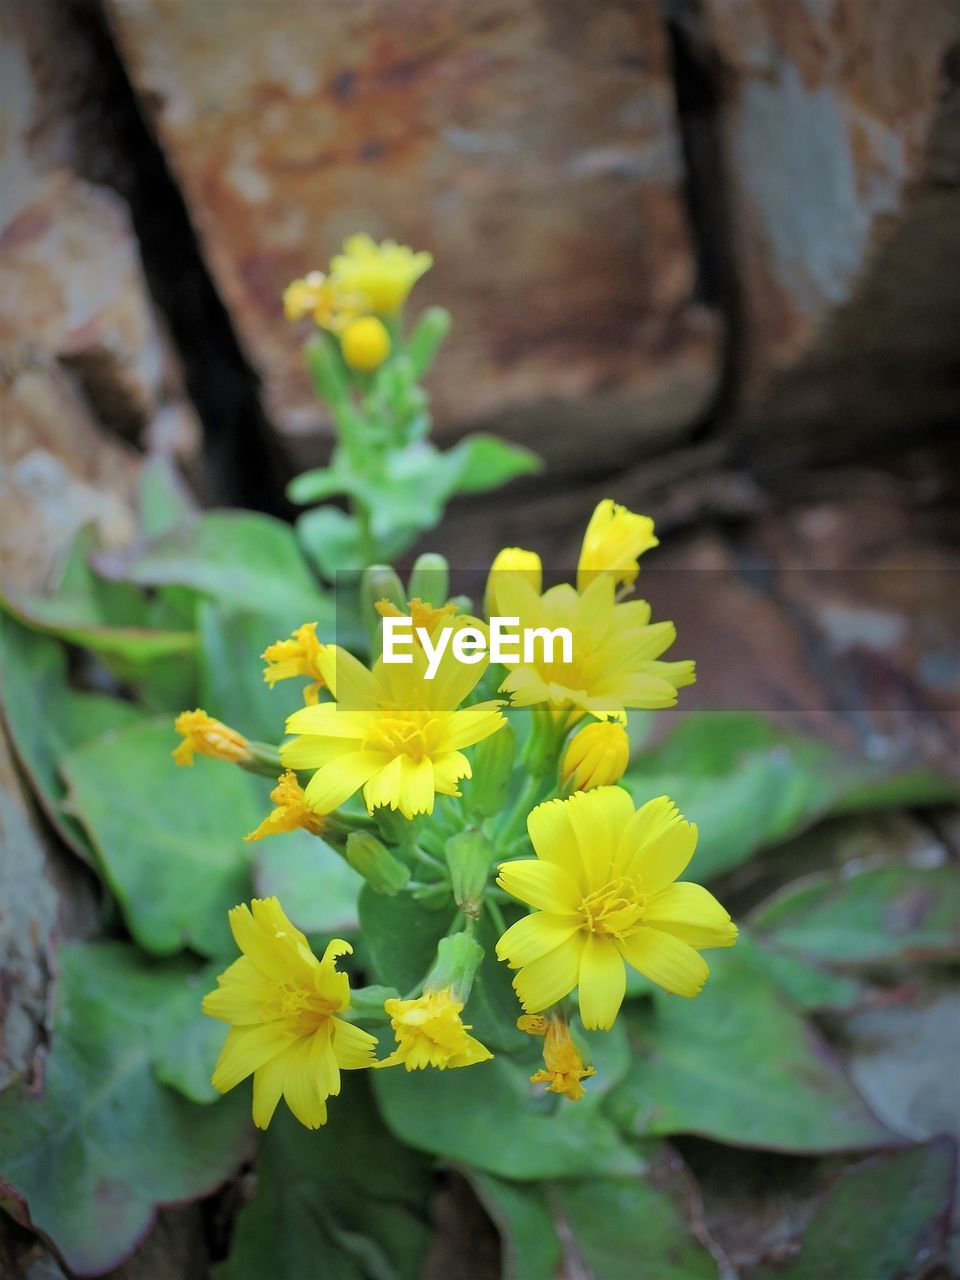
(429, 331)
(458, 959)
(429, 579)
(596, 756)
(511, 560)
(365, 344)
(469, 856)
(382, 871)
(613, 543)
(486, 792)
(378, 582)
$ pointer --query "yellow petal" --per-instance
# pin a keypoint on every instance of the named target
(693, 914)
(554, 839)
(416, 786)
(245, 1050)
(533, 936)
(311, 752)
(323, 1061)
(268, 1088)
(336, 782)
(448, 769)
(656, 844)
(545, 981)
(353, 1046)
(540, 884)
(603, 981)
(299, 1090)
(472, 725)
(330, 720)
(348, 680)
(666, 960)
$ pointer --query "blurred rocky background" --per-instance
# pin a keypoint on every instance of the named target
(701, 255)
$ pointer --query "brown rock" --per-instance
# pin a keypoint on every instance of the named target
(533, 148)
(828, 110)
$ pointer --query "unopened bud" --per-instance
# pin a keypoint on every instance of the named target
(469, 857)
(381, 870)
(429, 579)
(428, 333)
(596, 756)
(458, 959)
(486, 792)
(378, 582)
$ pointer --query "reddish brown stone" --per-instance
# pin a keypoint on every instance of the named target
(532, 148)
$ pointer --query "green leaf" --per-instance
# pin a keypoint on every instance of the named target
(237, 557)
(317, 888)
(491, 1117)
(90, 1157)
(332, 540)
(479, 463)
(739, 1064)
(163, 501)
(401, 935)
(808, 986)
(347, 1201)
(882, 1219)
(749, 785)
(169, 840)
(879, 915)
(528, 1240)
(46, 718)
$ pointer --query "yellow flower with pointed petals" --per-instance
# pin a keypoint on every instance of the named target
(424, 616)
(383, 273)
(391, 731)
(430, 1034)
(604, 889)
(282, 1004)
(509, 562)
(298, 656)
(616, 650)
(596, 756)
(291, 813)
(563, 1068)
(204, 736)
(613, 543)
(325, 300)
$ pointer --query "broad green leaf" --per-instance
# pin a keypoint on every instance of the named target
(317, 888)
(401, 935)
(739, 1064)
(810, 987)
(882, 1219)
(529, 1244)
(491, 1117)
(90, 1157)
(163, 500)
(238, 557)
(479, 463)
(46, 718)
(331, 539)
(883, 914)
(347, 1201)
(169, 840)
(749, 785)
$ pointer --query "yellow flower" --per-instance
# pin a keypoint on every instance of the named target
(392, 732)
(298, 656)
(383, 273)
(292, 811)
(426, 616)
(614, 541)
(365, 344)
(510, 562)
(603, 888)
(282, 1002)
(563, 1063)
(596, 756)
(323, 299)
(202, 735)
(616, 650)
(430, 1034)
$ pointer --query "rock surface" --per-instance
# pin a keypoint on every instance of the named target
(533, 148)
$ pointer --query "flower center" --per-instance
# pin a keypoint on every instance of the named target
(405, 733)
(303, 1010)
(613, 910)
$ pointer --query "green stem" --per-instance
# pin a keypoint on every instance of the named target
(496, 915)
(521, 808)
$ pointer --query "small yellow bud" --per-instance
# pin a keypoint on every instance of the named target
(596, 756)
(365, 344)
(512, 560)
(614, 541)
(202, 735)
